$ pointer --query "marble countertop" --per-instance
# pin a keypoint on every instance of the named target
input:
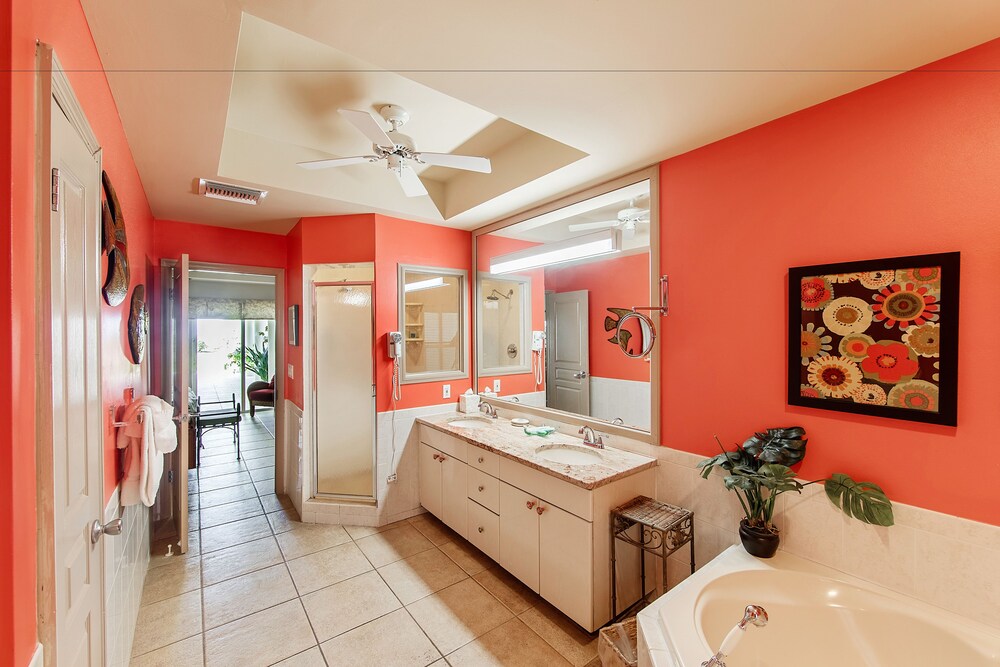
(500, 437)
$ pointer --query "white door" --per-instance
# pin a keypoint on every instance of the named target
(76, 419)
(519, 534)
(344, 372)
(180, 350)
(569, 353)
(429, 472)
(565, 557)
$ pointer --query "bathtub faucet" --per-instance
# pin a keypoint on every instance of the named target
(752, 615)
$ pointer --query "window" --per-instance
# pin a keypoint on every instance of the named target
(434, 324)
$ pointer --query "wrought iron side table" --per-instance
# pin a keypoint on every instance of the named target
(663, 529)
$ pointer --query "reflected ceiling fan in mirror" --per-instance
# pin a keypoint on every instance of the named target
(627, 220)
(397, 150)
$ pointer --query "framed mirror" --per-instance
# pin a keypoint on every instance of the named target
(552, 285)
(432, 319)
(504, 334)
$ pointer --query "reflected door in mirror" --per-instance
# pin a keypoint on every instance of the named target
(569, 353)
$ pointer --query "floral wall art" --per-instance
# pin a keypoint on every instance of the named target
(877, 337)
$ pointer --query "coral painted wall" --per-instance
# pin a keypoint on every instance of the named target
(621, 282)
(60, 23)
(906, 166)
(217, 244)
(293, 297)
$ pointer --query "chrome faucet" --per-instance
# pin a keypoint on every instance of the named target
(752, 615)
(488, 409)
(591, 438)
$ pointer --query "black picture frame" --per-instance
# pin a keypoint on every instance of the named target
(944, 366)
(293, 326)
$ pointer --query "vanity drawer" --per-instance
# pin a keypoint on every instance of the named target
(484, 489)
(485, 460)
(442, 442)
(484, 530)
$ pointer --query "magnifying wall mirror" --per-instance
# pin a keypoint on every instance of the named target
(554, 284)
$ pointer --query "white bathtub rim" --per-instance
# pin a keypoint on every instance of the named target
(663, 651)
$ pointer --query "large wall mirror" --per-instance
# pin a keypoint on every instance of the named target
(551, 286)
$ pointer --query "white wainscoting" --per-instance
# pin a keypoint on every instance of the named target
(627, 399)
(126, 560)
(294, 461)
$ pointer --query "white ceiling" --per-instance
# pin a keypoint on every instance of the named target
(624, 83)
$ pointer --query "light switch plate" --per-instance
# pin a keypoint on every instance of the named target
(291, 372)
(496, 386)
(446, 391)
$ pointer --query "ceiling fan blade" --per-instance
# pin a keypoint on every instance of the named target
(584, 226)
(368, 126)
(412, 186)
(337, 162)
(466, 162)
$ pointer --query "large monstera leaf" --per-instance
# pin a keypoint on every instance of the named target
(784, 446)
(865, 501)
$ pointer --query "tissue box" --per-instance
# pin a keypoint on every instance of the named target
(468, 403)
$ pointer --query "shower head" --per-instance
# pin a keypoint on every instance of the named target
(496, 294)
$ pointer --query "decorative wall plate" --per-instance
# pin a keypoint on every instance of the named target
(116, 284)
(116, 210)
(107, 227)
(138, 324)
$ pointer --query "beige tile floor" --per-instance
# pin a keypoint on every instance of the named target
(258, 587)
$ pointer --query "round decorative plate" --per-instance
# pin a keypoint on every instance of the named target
(138, 324)
(116, 284)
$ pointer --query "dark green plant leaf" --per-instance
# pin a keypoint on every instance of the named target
(786, 446)
(865, 501)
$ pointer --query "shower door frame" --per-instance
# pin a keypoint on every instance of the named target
(314, 419)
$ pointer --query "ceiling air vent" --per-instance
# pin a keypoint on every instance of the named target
(235, 193)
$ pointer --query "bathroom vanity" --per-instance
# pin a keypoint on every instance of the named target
(539, 507)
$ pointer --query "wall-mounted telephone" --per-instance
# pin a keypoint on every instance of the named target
(394, 344)
(537, 365)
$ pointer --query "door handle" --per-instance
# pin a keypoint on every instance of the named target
(113, 527)
(181, 419)
(581, 375)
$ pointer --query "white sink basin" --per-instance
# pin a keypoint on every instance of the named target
(468, 422)
(569, 454)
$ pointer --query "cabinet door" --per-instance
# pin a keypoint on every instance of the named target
(429, 471)
(454, 493)
(519, 534)
(565, 562)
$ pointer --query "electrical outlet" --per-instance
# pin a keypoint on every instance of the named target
(446, 391)
(291, 372)
(391, 478)
(496, 386)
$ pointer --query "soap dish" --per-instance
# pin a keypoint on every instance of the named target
(519, 421)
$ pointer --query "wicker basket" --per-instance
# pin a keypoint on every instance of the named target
(609, 653)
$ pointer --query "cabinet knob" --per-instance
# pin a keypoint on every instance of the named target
(531, 504)
(481, 488)
(481, 459)
(437, 456)
(539, 509)
(442, 459)
(480, 529)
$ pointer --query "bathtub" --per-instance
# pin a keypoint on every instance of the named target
(819, 617)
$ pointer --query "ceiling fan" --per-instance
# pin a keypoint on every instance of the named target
(627, 220)
(397, 150)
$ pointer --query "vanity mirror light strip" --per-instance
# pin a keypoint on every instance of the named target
(548, 254)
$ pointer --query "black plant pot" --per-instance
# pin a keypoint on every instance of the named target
(759, 542)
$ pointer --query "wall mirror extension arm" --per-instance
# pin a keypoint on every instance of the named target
(646, 326)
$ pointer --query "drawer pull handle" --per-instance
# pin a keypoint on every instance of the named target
(481, 459)
(437, 456)
(531, 504)
(539, 509)
(442, 459)
(481, 488)
(480, 529)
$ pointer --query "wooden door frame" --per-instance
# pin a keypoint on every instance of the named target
(52, 84)
(278, 345)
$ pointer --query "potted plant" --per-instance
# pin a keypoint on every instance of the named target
(759, 471)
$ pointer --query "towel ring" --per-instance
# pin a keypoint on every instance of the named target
(648, 334)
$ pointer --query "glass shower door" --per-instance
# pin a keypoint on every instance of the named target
(344, 390)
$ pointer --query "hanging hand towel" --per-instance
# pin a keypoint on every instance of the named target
(145, 437)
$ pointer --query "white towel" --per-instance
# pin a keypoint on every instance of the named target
(145, 440)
